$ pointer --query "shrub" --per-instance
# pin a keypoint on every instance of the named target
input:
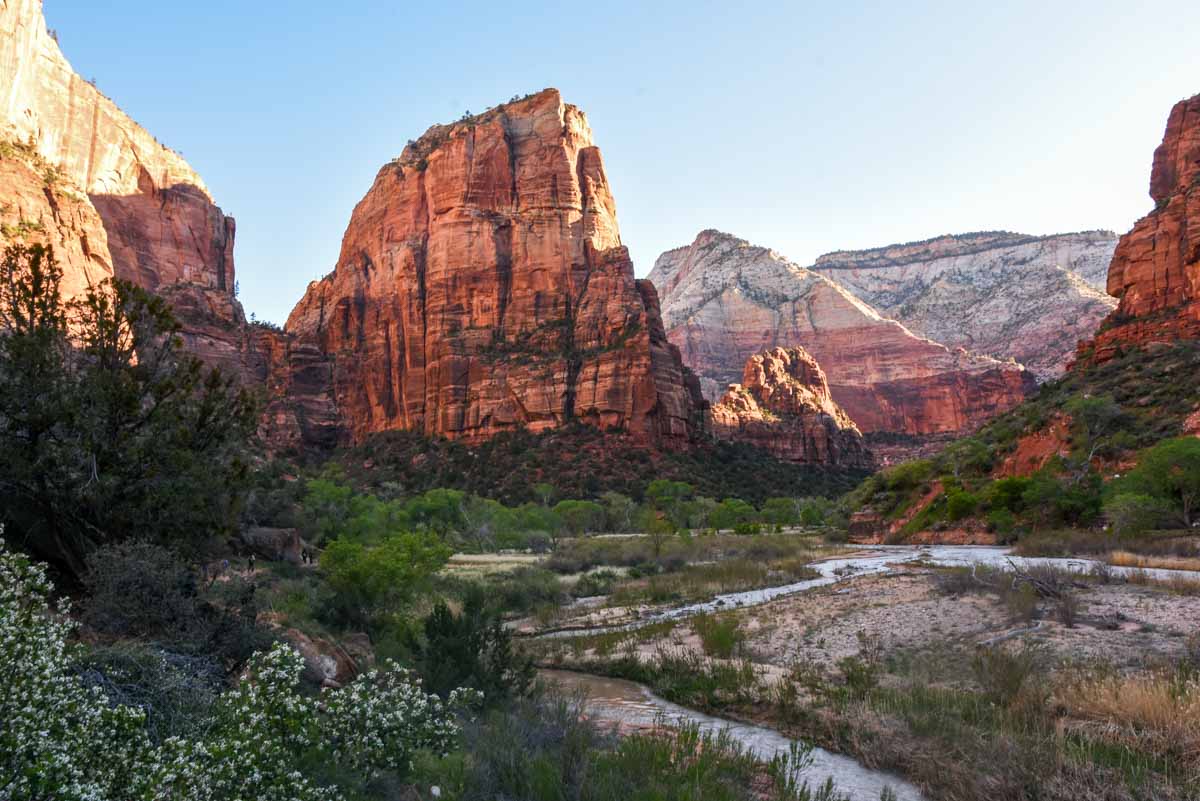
(719, 636)
(1021, 602)
(1003, 673)
(592, 584)
(64, 740)
(1066, 609)
(136, 589)
(960, 504)
(1131, 513)
(369, 582)
(522, 590)
(472, 649)
(175, 692)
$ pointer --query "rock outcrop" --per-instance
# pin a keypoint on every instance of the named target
(1003, 295)
(1155, 271)
(78, 173)
(482, 286)
(725, 300)
(783, 405)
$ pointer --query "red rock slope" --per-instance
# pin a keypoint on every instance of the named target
(1155, 270)
(725, 300)
(783, 405)
(482, 286)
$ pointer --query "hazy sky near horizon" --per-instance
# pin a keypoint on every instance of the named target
(802, 127)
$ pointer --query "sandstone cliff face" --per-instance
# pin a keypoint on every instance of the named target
(482, 286)
(783, 405)
(77, 173)
(725, 300)
(162, 226)
(1003, 295)
(33, 210)
(1155, 270)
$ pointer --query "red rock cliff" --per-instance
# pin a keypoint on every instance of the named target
(1155, 271)
(482, 286)
(78, 173)
(783, 405)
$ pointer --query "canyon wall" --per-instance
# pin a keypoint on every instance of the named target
(783, 406)
(1155, 271)
(1000, 294)
(482, 287)
(79, 174)
(725, 300)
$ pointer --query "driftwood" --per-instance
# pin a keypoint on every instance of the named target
(1050, 584)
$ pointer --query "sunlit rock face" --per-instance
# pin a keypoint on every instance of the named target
(482, 286)
(1028, 298)
(1155, 271)
(79, 174)
(724, 300)
(783, 405)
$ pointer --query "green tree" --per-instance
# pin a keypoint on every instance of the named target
(1097, 430)
(544, 492)
(619, 510)
(1132, 513)
(108, 429)
(966, 456)
(670, 498)
(780, 512)
(371, 583)
(579, 517)
(1170, 471)
(731, 513)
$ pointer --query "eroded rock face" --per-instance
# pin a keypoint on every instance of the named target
(482, 286)
(725, 300)
(162, 225)
(77, 173)
(1000, 294)
(33, 211)
(783, 405)
(1155, 271)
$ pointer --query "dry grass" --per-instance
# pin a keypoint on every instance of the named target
(1156, 712)
(1128, 559)
(1180, 585)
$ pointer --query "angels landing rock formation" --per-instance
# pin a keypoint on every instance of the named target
(725, 300)
(783, 405)
(482, 286)
(1155, 271)
(1028, 298)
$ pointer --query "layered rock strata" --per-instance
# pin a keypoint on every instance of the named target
(1155, 271)
(1000, 294)
(725, 300)
(783, 405)
(79, 174)
(482, 286)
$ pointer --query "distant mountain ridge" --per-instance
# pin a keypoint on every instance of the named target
(724, 299)
(1029, 298)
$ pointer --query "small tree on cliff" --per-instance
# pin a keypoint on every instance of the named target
(108, 429)
(1170, 472)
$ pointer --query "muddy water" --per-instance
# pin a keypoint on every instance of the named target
(624, 702)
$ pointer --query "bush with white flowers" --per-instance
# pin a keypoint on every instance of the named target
(63, 740)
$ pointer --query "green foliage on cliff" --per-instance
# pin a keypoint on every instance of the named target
(580, 461)
(1110, 411)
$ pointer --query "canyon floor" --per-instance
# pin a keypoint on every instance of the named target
(969, 683)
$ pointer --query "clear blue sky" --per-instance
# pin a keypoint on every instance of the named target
(807, 129)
